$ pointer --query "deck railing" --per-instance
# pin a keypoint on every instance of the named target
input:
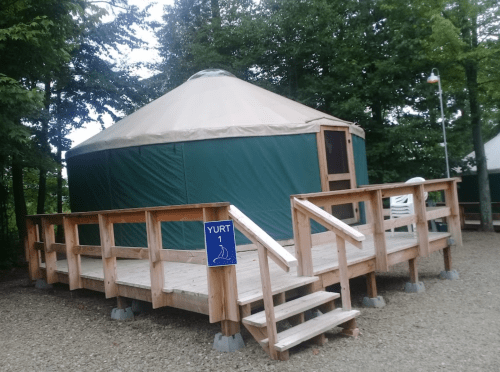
(376, 225)
(222, 283)
(40, 242)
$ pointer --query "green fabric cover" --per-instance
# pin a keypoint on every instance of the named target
(468, 189)
(256, 174)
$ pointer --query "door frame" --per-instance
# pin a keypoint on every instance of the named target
(323, 168)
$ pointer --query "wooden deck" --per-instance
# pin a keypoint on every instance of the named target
(190, 280)
(284, 280)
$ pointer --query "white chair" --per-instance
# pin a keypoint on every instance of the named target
(402, 205)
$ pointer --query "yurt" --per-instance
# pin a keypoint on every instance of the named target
(468, 189)
(216, 138)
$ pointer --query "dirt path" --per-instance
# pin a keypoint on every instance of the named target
(453, 326)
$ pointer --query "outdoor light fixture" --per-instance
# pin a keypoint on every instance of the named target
(436, 79)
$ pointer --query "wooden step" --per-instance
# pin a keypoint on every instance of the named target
(307, 330)
(288, 284)
(291, 308)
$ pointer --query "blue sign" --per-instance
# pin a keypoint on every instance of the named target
(220, 243)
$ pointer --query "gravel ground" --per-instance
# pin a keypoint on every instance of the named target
(453, 326)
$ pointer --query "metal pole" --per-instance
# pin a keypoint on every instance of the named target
(444, 130)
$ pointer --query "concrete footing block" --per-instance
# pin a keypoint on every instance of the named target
(414, 287)
(122, 314)
(450, 275)
(42, 284)
(140, 306)
(374, 302)
(228, 344)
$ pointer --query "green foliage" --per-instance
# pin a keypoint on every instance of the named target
(364, 62)
(54, 74)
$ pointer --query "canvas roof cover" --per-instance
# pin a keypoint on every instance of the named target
(492, 150)
(211, 104)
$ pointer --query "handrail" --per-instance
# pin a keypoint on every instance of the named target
(342, 231)
(324, 218)
(278, 254)
(266, 247)
(428, 184)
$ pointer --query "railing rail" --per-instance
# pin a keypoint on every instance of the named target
(256, 235)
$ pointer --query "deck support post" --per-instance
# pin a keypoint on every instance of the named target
(448, 273)
(122, 311)
(372, 300)
(414, 286)
(229, 328)
(350, 328)
(447, 258)
(121, 302)
(371, 285)
(412, 264)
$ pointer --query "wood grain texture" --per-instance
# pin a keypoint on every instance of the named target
(379, 238)
(157, 276)
(303, 243)
(74, 260)
(420, 212)
(49, 238)
(108, 261)
(32, 254)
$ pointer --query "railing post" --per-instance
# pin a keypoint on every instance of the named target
(74, 260)
(303, 244)
(49, 238)
(379, 242)
(32, 255)
(155, 244)
(265, 277)
(108, 261)
(451, 198)
(344, 274)
(222, 285)
(420, 212)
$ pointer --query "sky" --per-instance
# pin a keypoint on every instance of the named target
(149, 53)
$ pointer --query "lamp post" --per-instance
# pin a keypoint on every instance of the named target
(437, 79)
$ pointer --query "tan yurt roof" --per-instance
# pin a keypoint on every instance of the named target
(492, 151)
(211, 104)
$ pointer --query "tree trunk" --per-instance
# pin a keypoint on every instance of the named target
(45, 148)
(60, 231)
(477, 138)
(19, 200)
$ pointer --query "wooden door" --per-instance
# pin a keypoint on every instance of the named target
(336, 161)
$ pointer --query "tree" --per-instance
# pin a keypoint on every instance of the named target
(463, 39)
(54, 72)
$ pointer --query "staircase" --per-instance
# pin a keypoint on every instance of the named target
(262, 325)
(301, 330)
